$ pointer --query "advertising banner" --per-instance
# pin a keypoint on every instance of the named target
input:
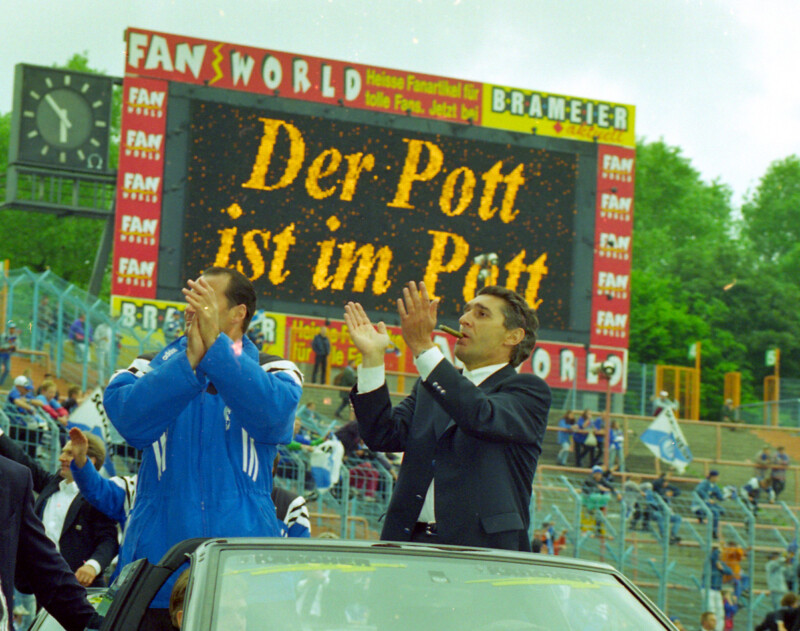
(613, 246)
(139, 188)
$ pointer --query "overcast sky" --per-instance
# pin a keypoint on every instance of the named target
(717, 78)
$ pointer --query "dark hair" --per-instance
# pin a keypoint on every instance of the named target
(239, 291)
(789, 600)
(516, 315)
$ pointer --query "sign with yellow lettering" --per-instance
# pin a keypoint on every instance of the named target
(324, 210)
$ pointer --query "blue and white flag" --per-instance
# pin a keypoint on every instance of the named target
(665, 439)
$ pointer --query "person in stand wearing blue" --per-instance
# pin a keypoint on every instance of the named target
(657, 512)
(8, 344)
(616, 451)
(567, 425)
(208, 412)
(711, 494)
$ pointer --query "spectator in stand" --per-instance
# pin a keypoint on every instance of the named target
(708, 621)
(308, 414)
(731, 605)
(567, 425)
(598, 427)
(48, 397)
(173, 328)
(321, 345)
(616, 451)
(22, 395)
(709, 492)
(74, 399)
(346, 378)
(46, 324)
(727, 413)
(787, 615)
(663, 401)
(8, 345)
(657, 511)
(553, 541)
(755, 490)
(580, 437)
(635, 502)
(780, 463)
(776, 579)
(79, 333)
(714, 597)
(732, 555)
(762, 463)
(103, 337)
(677, 622)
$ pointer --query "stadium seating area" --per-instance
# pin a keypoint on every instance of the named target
(351, 505)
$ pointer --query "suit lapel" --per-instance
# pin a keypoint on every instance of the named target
(47, 491)
(443, 423)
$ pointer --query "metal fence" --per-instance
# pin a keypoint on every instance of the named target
(638, 537)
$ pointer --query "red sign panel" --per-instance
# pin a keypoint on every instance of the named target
(561, 365)
(249, 69)
(140, 187)
(613, 247)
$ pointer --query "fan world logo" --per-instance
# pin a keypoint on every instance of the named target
(140, 144)
(614, 246)
(146, 102)
(612, 285)
(134, 229)
(614, 206)
(131, 271)
(617, 168)
(136, 186)
(611, 324)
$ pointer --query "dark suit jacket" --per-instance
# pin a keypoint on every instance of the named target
(480, 445)
(87, 533)
(27, 554)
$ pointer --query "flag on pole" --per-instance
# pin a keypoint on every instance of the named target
(665, 439)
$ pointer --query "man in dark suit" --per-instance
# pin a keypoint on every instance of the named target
(27, 554)
(86, 538)
(471, 439)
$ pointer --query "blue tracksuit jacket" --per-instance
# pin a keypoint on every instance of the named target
(208, 438)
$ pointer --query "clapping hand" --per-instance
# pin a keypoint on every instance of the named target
(202, 319)
(371, 340)
(417, 317)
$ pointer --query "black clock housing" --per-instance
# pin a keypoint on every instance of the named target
(61, 119)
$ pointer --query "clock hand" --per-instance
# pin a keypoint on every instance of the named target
(62, 131)
(61, 113)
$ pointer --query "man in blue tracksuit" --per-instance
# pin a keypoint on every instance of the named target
(208, 413)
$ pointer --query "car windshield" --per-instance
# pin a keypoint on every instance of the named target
(332, 590)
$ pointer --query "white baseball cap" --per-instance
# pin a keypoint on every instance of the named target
(22, 382)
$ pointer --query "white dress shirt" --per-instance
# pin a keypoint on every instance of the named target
(370, 379)
(55, 513)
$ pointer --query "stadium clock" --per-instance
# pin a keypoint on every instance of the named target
(64, 118)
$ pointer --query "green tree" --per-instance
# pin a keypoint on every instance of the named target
(771, 216)
(40, 241)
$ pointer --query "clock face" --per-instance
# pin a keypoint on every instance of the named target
(65, 119)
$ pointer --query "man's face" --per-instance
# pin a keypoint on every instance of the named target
(229, 317)
(64, 460)
(710, 623)
(486, 340)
